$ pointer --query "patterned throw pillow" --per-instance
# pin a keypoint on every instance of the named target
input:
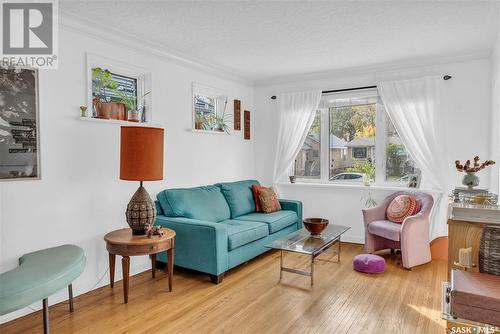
(268, 200)
(401, 207)
(255, 187)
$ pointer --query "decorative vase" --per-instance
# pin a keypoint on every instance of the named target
(141, 212)
(133, 116)
(470, 180)
(366, 179)
(104, 110)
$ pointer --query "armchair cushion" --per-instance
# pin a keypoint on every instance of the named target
(401, 207)
(385, 229)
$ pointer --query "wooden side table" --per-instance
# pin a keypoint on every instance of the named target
(123, 242)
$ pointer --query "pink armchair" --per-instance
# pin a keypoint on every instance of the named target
(412, 236)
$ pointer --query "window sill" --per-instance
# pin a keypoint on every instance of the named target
(116, 121)
(375, 187)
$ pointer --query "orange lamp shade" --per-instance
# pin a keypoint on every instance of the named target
(141, 153)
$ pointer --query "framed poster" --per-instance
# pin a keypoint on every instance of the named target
(19, 135)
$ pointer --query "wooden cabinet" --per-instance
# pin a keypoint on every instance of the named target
(463, 234)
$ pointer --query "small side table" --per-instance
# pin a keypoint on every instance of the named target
(123, 242)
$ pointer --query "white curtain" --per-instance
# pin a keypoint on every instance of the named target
(296, 114)
(414, 107)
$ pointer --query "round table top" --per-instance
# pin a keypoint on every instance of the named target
(124, 236)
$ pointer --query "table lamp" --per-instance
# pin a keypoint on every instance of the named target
(141, 159)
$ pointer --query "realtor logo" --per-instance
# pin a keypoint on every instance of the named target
(29, 31)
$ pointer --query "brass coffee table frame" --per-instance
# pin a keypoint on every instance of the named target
(313, 256)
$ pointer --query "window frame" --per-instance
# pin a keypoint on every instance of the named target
(380, 154)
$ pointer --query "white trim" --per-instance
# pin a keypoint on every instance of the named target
(209, 131)
(358, 186)
(79, 24)
(380, 142)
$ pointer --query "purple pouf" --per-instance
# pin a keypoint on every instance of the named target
(369, 263)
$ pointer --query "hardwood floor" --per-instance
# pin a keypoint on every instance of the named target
(251, 300)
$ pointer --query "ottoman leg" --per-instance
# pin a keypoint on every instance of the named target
(45, 312)
(70, 293)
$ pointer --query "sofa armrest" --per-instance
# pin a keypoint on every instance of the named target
(372, 214)
(199, 245)
(287, 204)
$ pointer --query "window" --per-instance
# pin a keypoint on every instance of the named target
(399, 164)
(308, 162)
(359, 153)
(111, 87)
(346, 132)
(117, 91)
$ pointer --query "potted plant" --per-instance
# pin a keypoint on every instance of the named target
(222, 122)
(199, 121)
(130, 103)
(367, 168)
(103, 79)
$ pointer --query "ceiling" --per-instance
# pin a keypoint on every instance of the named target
(260, 40)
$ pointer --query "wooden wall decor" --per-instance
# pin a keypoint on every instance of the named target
(246, 120)
(237, 115)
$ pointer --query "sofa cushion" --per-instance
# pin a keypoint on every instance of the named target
(239, 196)
(203, 203)
(240, 233)
(268, 200)
(385, 229)
(275, 221)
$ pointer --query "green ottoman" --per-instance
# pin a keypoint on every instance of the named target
(39, 275)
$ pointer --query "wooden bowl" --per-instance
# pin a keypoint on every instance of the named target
(315, 225)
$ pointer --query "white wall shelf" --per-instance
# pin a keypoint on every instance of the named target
(119, 122)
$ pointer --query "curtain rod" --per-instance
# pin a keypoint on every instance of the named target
(446, 77)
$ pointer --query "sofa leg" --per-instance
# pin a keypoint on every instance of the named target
(70, 293)
(45, 312)
(216, 279)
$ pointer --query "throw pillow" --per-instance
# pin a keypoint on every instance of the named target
(255, 187)
(268, 200)
(401, 207)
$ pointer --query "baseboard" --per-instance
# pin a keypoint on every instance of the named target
(354, 239)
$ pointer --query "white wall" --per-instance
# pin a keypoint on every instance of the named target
(495, 123)
(80, 196)
(466, 101)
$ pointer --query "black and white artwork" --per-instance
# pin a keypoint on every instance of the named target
(19, 144)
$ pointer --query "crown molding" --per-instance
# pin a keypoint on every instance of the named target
(75, 23)
(382, 67)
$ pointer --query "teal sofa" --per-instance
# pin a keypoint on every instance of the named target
(217, 227)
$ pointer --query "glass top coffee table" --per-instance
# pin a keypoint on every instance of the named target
(304, 243)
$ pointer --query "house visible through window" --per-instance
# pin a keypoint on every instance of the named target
(356, 123)
(308, 162)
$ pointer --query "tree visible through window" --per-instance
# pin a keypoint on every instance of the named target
(353, 123)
